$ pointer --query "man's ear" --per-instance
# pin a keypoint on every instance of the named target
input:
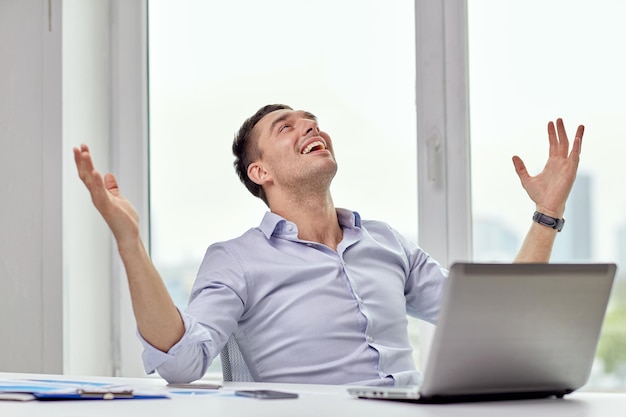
(258, 174)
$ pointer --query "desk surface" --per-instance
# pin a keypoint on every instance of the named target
(315, 400)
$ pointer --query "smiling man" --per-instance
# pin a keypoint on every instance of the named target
(314, 294)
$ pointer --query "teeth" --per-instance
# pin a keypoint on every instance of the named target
(313, 145)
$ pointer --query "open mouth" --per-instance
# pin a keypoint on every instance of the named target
(314, 146)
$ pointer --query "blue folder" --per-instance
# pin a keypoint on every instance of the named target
(58, 390)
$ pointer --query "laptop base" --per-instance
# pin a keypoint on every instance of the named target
(448, 399)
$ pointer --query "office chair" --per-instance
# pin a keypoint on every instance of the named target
(234, 367)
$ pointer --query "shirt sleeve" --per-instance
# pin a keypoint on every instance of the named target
(212, 315)
(187, 360)
(423, 289)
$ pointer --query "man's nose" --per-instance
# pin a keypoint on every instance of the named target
(309, 127)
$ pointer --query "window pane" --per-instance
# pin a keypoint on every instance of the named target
(213, 64)
(532, 62)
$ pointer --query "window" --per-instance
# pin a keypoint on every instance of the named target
(532, 62)
(213, 64)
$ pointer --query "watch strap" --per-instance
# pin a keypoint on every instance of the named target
(548, 221)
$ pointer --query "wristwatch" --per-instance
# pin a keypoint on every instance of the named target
(549, 221)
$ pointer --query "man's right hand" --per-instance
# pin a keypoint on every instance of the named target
(118, 212)
(158, 319)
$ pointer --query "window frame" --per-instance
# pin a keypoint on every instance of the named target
(443, 140)
(444, 206)
(128, 155)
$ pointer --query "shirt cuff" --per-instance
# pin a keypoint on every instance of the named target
(194, 334)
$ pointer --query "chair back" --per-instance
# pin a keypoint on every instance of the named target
(234, 367)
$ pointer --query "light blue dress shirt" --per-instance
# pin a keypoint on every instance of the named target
(303, 313)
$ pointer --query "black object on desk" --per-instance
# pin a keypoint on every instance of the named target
(266, 394)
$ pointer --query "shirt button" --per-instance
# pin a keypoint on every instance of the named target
(370, 339)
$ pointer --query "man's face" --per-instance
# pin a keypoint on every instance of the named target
(294, 151)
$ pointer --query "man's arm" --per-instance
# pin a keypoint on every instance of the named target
(158, 319)
(549, 190)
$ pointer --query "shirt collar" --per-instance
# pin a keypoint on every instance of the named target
(348, 218)
(273, 223)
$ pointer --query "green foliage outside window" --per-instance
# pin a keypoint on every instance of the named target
(612, 346)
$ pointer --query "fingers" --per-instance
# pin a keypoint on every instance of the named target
(110, 183)
(559, 143)
(563, 149)
(554, 143)
(578, 141)
(580, 132)
(87, 173)
(84, 164)
(520, 168)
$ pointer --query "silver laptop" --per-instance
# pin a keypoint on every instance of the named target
(511, 331)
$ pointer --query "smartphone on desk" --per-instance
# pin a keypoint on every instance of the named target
(266, 394)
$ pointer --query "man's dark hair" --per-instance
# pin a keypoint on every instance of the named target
(245, 148)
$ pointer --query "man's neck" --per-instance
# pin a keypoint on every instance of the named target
(316, 219)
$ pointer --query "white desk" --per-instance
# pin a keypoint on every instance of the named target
(314, 401)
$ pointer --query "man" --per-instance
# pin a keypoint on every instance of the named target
(314, 294)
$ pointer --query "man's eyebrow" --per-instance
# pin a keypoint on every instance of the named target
(285, 116)
(310, 115)
(280, 119)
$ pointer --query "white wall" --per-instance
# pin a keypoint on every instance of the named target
(68, 75)
(31, 325)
